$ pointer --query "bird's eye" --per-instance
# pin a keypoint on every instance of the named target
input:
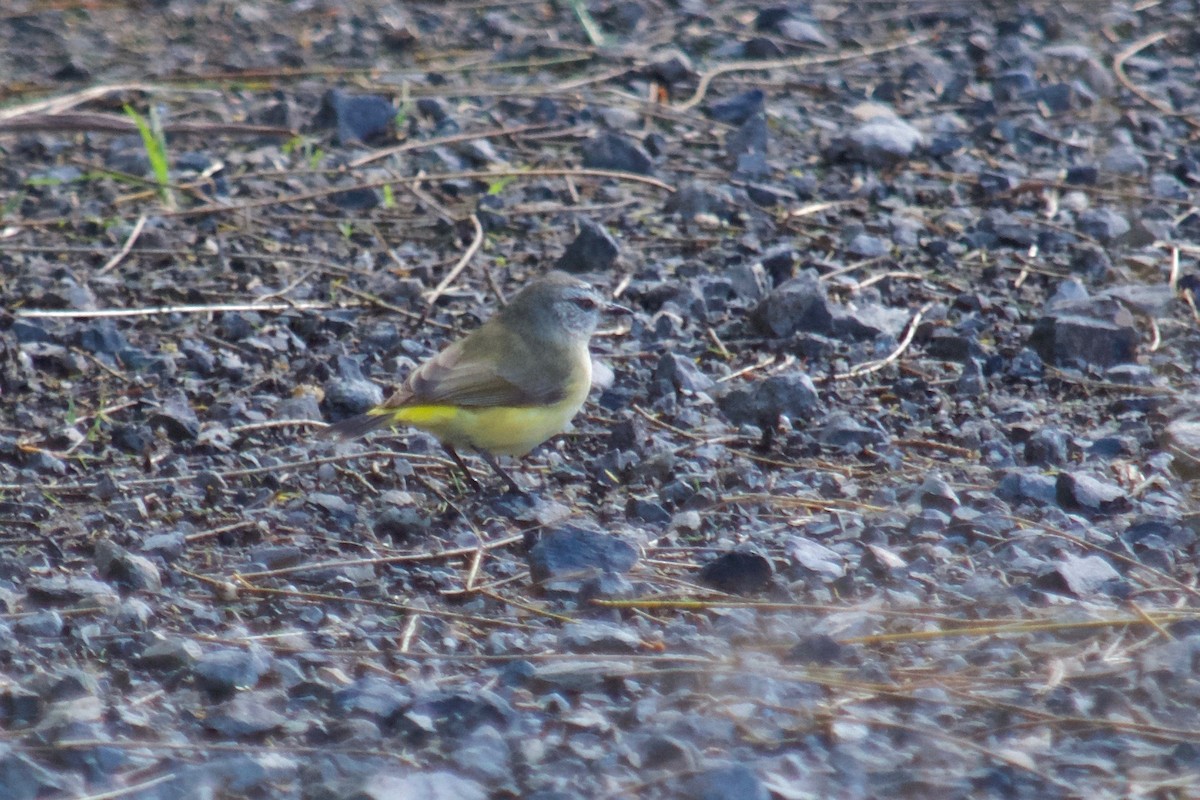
(585, 303)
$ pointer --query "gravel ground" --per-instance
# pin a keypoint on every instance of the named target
(887, 487)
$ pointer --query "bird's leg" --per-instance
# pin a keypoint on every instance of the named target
(466, 471)
(499, 470)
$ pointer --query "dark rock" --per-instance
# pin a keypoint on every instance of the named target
(222, 672)
(1099, 332)
(402, 524)
(1103, 224)
(799, 304)
(647, 511)
(455, 714)
(1027, 364)
(102, 337)
(118, 565)
(593, 250)
(373, 697)
(738, 572)
(658, 751)
(350, 393)
(565, 556)
(677, 373)
(762, 402)
(611, 150)
(1047, 447)
(1082, 175)
(842, 431)
(739, 108)
(356, 119)
(818, 649)
(691, 202)
(1085, 493)
(362, 198)
(177, 418)
(1023, 485)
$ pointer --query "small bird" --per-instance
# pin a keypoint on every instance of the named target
(507, 386)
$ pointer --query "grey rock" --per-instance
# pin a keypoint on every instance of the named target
(840, 430)
(882, 141)
(245, 716)
(570, 554)
(222, 672)
(762, 402)
(816, 558)
(594, 636)
(680, 374)
(593, 250)
(433, 785)
(1083, 576)
(372, 697)
(40, 623)
(350, 393)
(116, 564)
(1019, 485)
(799, 304)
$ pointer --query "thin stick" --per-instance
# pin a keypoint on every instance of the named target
(453, 274)
(489, 175)
(441, 140)
(794, 63)
(1118, 69)
(128, 790)
(875, 366)
(154, 311)
(133, 237)
(359, 562)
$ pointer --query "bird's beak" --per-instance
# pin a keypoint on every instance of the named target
(617, 308)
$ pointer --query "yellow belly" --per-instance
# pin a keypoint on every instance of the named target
(500, 431)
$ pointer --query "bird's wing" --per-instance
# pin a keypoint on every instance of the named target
(467, 374)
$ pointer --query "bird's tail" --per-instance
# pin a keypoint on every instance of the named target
(354, 427)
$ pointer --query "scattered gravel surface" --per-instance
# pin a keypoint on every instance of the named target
(888, 488)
